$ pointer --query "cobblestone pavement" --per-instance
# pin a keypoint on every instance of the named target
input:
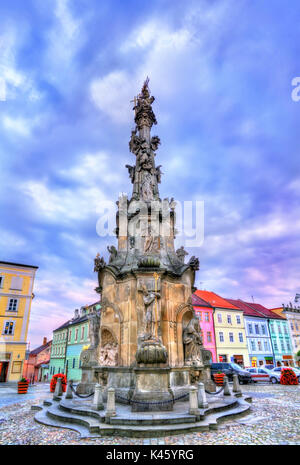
(274, 419)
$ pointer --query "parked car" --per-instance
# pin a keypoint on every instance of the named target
(259, 374)
(231, 369)
(278, 371)
(267, 367)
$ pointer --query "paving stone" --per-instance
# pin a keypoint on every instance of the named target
(275, 419)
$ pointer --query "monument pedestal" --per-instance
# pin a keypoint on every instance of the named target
(152, 390)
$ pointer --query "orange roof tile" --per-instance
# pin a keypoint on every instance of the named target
(215, 300)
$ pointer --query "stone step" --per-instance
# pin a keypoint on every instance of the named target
(91, 427)
(151, 419)
(55, 412)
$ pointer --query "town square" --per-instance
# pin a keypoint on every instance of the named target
(149, 278)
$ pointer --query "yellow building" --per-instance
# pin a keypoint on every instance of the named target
(230, 335)
(16, 294)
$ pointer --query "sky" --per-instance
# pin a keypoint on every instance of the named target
(221, 73)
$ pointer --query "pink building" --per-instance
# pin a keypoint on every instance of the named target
(204, 312)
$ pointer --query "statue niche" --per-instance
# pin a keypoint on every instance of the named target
(108, 353)
(192, 342)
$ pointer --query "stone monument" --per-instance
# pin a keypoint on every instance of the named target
(146, 343)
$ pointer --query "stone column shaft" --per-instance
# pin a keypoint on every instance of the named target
(98, 400)
(111, 404)
(193, 401)
(202, 402)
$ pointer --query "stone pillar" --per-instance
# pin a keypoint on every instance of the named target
(226, 387)
(236, 386)
(111, 405)
(202, 402)
(69, 394)
(193, 400)
(58, 389)
(97, 400)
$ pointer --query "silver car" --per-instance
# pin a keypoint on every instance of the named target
(277, 371)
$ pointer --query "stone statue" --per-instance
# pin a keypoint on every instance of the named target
(109, 354)
(131, 171)
(113, 253)
(149, 298)
(158, 173)
(181, 253)
(194, 263)
(192, 342)
(154, 143)
(99, 266)
(147, 186)
(94, 327)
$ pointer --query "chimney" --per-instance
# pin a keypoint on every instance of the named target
(44, 341)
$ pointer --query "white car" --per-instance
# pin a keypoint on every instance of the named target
(259, 374)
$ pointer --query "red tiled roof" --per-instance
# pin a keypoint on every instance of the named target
(40, 348)
(198, 302)
(265, 311)
(246, 309)
(252, 309)
(215, 300)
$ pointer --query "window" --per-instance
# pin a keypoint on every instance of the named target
(70, 334)
(221, 337)
(199, 315)
(250, 328)
(288, 346)
(9, 327)
(279, 328)
(263, 329)
(275, 345)
(229, 319)
(219, 316)
(285, 329)
(76, 334)
(16, 283)
(82, 332)
(292, 326)
(256, 329)
(241, 339)
(17, 367)
(282, 346)
(253, 347)
(272, 327)
(74, 360)
(266, 345)
(238, 319)
(206, 316)
(259, 345)
(12, 305)
(231, 337)
(296, 326)
(1, 281)
(208, 336)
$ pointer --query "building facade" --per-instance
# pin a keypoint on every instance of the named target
(230, 336)
(68, 342)
(78, 338)
(292, 315)
(257, 334)
(279, 334)
(36, 366)
(205, 313)
(16, 294)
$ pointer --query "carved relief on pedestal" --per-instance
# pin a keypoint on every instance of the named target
(108, 353)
